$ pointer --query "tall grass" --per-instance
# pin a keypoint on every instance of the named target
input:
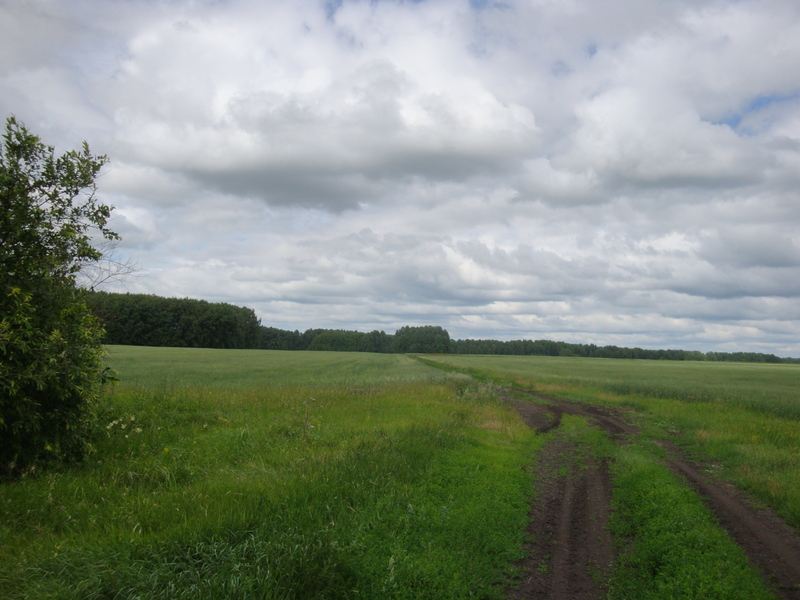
(764, 387)
(287, 477)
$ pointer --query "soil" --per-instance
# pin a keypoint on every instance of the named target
(571, 550)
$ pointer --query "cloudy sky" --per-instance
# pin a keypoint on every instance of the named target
(598, 171)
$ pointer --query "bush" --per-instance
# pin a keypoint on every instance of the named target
(50, 352)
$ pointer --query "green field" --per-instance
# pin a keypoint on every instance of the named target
(267, 474)
(259, 474)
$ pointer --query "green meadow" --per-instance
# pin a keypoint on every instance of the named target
(259, 474)
(301, 475)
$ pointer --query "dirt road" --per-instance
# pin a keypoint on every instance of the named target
(572, 550)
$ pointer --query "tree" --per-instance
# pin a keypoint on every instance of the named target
(50, 353)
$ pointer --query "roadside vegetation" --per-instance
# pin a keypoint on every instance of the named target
(677, 549)
(669, 543)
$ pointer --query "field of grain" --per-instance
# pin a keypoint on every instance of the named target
(742, 418)
(258, 474)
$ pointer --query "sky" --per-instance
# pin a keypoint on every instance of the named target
(618, 172)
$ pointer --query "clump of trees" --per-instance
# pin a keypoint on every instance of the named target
(426, 339)
(51, 364)
(147, 320)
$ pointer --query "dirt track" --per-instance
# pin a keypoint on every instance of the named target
(572, 549)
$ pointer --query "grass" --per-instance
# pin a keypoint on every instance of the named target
(281, 475)
(742, 418)
(239, 474)
(234, 370)
(677, 549)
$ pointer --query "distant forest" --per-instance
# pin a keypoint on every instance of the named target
(147, 320)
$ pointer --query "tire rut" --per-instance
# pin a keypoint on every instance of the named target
(571, 550)
(770, 543)
(569, 516)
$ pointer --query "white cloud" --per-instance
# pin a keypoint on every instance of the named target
(610, 173)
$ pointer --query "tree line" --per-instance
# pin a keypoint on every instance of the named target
(427, 339)
(550, 348)
(147, 320)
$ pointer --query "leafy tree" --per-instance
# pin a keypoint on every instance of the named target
(50, 352)
(427, 339)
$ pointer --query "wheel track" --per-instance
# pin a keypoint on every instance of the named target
(571, 550)
(570, 514)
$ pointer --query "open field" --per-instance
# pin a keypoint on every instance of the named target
(217, 475)
(267, 474)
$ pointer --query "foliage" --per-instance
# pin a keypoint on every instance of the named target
(331, 340)
(427, 339)
(148, 320)
(50, 354)
(566, 349)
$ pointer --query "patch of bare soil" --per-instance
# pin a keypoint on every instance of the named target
(571, 549)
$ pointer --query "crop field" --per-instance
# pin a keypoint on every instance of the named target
(260, 474)
(268, 474)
